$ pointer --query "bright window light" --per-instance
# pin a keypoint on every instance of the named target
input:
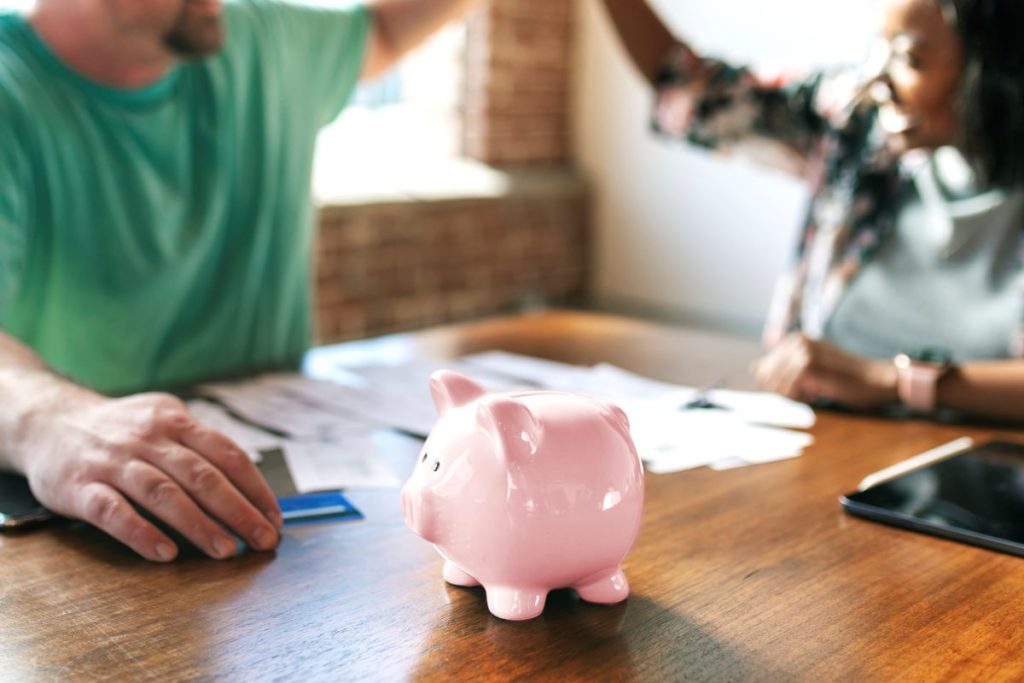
(401, 125)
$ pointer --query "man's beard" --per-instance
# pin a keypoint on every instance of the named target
(196, 36)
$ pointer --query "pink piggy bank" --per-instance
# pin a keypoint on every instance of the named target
(526, 492)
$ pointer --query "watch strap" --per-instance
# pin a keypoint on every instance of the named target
(917, 382)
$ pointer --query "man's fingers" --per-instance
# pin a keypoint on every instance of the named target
(210, 488)
(106, 509)
(154, 490)
(149, 449)
(235, 464)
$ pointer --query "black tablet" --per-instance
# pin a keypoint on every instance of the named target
(976, 497)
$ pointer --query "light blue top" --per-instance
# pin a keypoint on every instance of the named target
(946, 278)
(157, 236)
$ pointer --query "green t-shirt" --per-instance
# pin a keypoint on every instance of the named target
(155, 237)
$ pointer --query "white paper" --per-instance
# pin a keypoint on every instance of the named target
(764, 408)
(750, 406)
(399, 395)
(349, 462)
(535, 372)
(321, 419)
(326, 427)
(672, 440)
(670, 437)
(616, 383)
(415, 375)
(298, 407)
(248, 438)
(612, 380)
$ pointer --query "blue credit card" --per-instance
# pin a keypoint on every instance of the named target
(322, 506)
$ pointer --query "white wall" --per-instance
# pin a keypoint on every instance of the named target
(679, 233)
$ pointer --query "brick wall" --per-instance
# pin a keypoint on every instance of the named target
(518, 56)
(391, 267)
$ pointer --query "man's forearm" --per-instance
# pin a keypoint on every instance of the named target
(643, 34)
(27, 388)
(401, 25)
(88, 456)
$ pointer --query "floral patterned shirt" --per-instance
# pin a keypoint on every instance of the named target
(809, 127)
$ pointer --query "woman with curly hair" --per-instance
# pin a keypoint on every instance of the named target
(908, 284)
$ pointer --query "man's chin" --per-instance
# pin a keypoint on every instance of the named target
(207, 8)
(197, 37)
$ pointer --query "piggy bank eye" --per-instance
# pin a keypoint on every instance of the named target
(424, 458)
(437, 465)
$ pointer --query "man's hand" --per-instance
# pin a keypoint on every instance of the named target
(809, 370)
(88, 461)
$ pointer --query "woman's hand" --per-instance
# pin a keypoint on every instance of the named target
(809, 370)
(88, 459)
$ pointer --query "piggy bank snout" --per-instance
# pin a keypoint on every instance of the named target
(406, 512)
(415, 512)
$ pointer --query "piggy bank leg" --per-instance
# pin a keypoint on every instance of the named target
(607, 590)
(457, 577)
(515, 604)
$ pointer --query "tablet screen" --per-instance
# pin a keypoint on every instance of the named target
(976, 496)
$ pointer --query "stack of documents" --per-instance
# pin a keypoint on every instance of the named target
(325, 428)
(325, 446)
(672, 432)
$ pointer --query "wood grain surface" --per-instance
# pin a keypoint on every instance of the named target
(753, 574)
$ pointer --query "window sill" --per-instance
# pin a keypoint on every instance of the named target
(450, 180)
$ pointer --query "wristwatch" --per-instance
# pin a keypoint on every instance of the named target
(917, 376)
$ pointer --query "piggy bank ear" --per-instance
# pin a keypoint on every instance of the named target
(451, 390)
(511, 426)
(616, 416)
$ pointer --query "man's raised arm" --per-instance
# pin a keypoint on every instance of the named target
(401, 25)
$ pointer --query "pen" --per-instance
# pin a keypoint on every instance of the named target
(938, 453)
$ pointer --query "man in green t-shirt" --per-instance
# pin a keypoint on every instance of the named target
(155, 229)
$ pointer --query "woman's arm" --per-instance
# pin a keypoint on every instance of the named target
(993, 389)
(720, 106)
(643, 34)
(810, 370)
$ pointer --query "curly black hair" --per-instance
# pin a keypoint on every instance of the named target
(991, 97)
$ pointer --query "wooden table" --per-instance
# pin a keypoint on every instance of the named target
(752, 574)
